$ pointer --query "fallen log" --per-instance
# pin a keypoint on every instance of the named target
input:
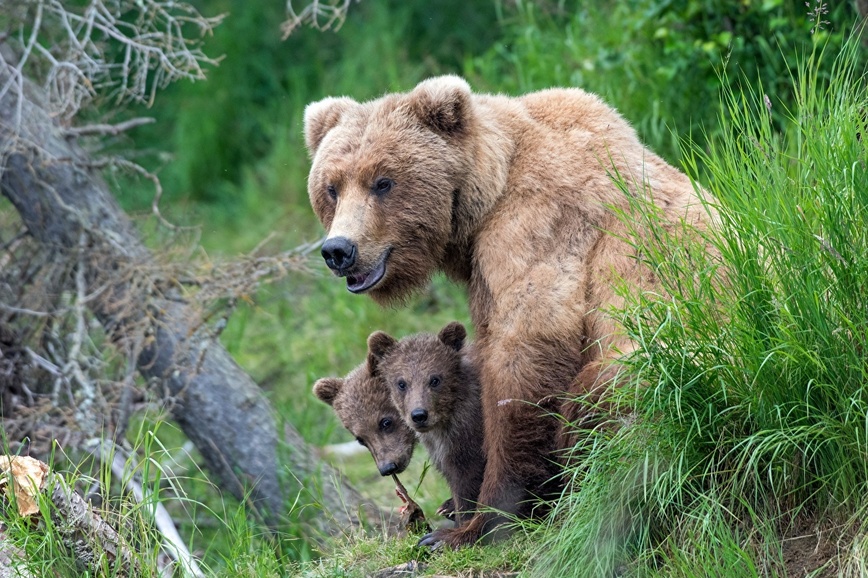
(61, 198)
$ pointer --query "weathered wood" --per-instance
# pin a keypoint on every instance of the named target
(88, 537)
(12, 560)
(59, 194)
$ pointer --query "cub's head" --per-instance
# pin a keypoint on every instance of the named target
(364, 407)
(423, 372)
(385, 180)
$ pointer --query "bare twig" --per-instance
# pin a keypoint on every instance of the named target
(44, 363)
(24, 311)
(109, 129)
(317, 14)
(122, 49)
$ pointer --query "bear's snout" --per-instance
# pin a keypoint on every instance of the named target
(388, 469)
(339, 253)
(419, 416)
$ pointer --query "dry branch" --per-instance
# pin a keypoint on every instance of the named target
(68, 209)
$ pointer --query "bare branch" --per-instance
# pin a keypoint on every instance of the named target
(326, 15)
(120, 49)
(109, 129)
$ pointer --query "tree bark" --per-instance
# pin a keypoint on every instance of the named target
(60, 196)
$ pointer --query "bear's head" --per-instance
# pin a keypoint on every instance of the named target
(363, 405)
(424, 374)
(385, 181)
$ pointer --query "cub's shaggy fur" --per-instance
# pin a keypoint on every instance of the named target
(434, 384)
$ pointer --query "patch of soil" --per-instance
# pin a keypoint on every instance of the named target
(809, 550)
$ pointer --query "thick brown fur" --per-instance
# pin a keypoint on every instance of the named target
(512, 197)
(437, 374)
(362, 403)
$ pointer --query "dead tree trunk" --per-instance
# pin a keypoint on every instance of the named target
(65, 204)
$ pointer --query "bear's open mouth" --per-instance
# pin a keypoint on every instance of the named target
(361, 282)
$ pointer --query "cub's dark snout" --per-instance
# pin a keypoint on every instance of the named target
(419, 415)
(339, 253)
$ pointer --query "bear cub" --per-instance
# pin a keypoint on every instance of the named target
(434, 383)
(365, 408)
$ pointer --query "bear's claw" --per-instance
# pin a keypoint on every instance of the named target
(447, 510)
(431, 541)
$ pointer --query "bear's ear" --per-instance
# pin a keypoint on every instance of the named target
(453, 335)
(442, 104)
(322, 116)
(379, 344)
(327, 389)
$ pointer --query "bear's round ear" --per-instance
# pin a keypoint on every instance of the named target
(453, 335)
(322, 116)
(327, 389)
(442, 104)
(379, 344)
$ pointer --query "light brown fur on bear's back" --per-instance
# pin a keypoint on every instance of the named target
(513, 197)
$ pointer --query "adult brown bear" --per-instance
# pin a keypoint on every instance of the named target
(513, 197)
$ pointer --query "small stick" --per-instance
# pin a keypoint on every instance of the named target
(110, 129)
(412, 516)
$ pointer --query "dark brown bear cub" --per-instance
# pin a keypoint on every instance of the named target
(364, 407)
(435, 386)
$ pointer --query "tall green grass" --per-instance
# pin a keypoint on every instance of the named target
(748, 407)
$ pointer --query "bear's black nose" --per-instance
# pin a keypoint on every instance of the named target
(339, 253)
(419, 415)
(388, 469)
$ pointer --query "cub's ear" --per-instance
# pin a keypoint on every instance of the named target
(453, 335)
(443, 104)
(379, 344)
(327, 389)
(322, 116)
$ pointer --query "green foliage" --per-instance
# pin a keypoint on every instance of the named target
(657, 61)
(249, 111)
(751, 381)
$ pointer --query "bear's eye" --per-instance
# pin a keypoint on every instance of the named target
(402, 385)
(333, 192)
(385, 423)
(434, 381)
(362, 442)
(383, 185)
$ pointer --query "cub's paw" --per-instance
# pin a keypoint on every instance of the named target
(452, 538)
(447, 510)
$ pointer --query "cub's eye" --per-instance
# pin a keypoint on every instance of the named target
(402, 385)
(333, 192)
(362, 442)
(385, 423)
(434, 381)
(383, 185)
